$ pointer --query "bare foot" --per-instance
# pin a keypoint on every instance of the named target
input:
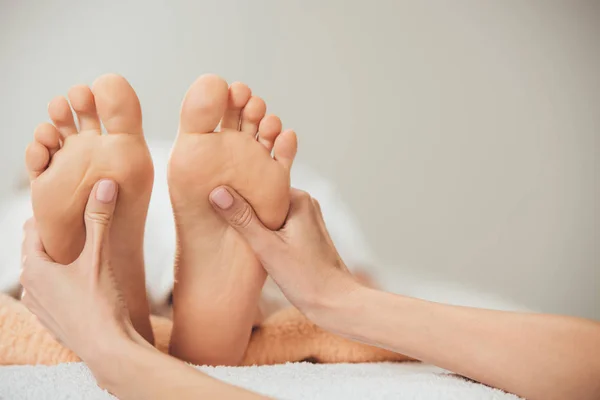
(218, 279)
(65, 162)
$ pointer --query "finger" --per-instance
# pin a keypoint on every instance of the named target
(319, 214)
(317, 207)
(32, 244)
(321, 221)
(240, 215)
(296, 193)
(98, 216)
(300, 203)
(304, 208)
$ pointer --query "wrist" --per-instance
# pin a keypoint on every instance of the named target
(110, 360)
(360, 314)
(332, 311)
(384, 320)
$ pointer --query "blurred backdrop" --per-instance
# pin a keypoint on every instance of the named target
(464, 135)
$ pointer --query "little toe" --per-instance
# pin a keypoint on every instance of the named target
(285, 148)
(252, 114)
(268, 129)
(203, 105)
(82, 101)
(117, 105)
(48, 136)
(239, 95)
(61, 115)
(37, 158)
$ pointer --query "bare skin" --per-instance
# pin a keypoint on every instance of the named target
(491, 347)
(228, 240)
(87, 290)
(65, 161)
(218, 280)
(500, 349)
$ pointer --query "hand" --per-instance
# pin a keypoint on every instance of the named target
(300, 257)
(81, 303)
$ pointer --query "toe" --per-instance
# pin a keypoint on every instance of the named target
(203, 105)
(60, 113)
(82, 101)
(48, 136)
(285, 147)
(268, 129)
(117, 105)
(252, 114)
(239, 94)
(37, 158)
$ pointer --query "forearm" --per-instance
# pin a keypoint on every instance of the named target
(132, 371)
(534, 356)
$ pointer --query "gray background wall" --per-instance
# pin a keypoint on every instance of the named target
(465, 135)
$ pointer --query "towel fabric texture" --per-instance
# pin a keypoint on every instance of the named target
(288, 381)
(285, 336)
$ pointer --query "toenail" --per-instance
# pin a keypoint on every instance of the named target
(222, 198)
(106, 191)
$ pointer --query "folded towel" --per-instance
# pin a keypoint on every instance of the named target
(285, 336)
(290, 381)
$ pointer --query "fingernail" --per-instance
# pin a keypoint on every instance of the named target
(106, 191)
(222, 198)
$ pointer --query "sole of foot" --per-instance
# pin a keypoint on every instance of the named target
(66, 159)
(218, 278)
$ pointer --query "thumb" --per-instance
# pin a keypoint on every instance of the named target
(98, 215)
(241, 216)
(32, 244)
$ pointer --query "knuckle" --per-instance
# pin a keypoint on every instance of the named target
(304, 196)
(242, 217)
(29, 224)
(98, 217)
(305, 202)
(301, 197)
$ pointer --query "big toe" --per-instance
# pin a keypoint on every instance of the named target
(204, 105)
(117, 104)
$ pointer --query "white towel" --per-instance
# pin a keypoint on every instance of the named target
(289, 381)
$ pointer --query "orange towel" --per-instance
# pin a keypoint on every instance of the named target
(286, 336)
